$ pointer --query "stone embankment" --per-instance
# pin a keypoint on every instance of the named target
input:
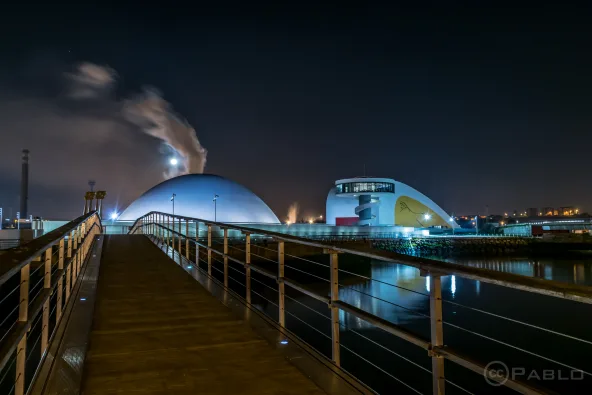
(443, 247)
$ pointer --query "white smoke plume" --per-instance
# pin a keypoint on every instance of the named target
(154, 116)
(148, 111)
(91, 81)
(293, 213)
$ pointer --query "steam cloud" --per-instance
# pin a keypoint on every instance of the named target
(148, 111)
(293, 213)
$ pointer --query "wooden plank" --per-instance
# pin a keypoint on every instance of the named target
(164, 333)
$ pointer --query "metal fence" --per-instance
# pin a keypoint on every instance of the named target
(9, 243)
(209, 247)
(36, 282)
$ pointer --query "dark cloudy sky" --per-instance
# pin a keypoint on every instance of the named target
(472, 105)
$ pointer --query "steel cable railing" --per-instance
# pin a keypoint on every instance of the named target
(43, 293)
(435, 346)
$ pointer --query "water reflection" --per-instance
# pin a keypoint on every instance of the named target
(401, 295)
(575, 271)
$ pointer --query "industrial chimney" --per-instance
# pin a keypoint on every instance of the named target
(25, 184)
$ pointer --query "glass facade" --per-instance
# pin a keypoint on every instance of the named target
(365, 187)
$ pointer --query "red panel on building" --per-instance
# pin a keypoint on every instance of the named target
(346, 221)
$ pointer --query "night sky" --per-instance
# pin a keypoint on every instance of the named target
(472, 106)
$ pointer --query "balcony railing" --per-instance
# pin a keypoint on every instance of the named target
(36, 282)
(225, 252)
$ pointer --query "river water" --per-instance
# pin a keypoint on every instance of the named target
(482, 321)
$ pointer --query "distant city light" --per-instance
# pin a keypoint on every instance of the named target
(174, 161)
(321, 217)
(310, 221)
(451, 219)
(427, 216)
(288, 222)
(114, 215)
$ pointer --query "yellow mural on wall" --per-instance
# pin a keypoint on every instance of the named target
(410, 212)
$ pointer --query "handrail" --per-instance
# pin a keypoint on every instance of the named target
(579, 293)
(62, 269)
(12, 260)
(154, 224)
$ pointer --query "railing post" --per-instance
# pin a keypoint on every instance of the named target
(69, 268)
(70, 246)
(281, 285)
(209, 249)
(168, 232)
(248, 267)
(75, 236)
(158, 228)
(172, 235)
(196, 245)
(187, 239)
(75, 259)
(179, 246)
(334, 267)
(21, 349)
(60, 280)
(437, 333)
(46, 285)
(225, 257)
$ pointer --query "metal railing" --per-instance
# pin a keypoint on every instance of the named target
(9, 243)
(216, 251)
(36, 281)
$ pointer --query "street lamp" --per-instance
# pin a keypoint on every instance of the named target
(214, 200)
(173, 200)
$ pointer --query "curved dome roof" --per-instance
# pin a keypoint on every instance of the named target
(194, 195)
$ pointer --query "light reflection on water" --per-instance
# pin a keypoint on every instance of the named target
(402, 296)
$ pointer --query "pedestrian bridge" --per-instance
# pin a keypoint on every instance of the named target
(184, 306)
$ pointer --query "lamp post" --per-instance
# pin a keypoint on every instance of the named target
(173, 200)
(214, 200)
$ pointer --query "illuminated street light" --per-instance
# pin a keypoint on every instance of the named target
(174, 161)
(427, 216)
(310, 221)
(114, 215)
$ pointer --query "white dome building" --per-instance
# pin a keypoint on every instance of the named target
(194, 197)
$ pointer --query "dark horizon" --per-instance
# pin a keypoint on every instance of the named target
(474, 106)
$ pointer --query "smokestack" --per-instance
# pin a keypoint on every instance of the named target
(25, 184)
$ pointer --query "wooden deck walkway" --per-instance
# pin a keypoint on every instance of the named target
(157, 331)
